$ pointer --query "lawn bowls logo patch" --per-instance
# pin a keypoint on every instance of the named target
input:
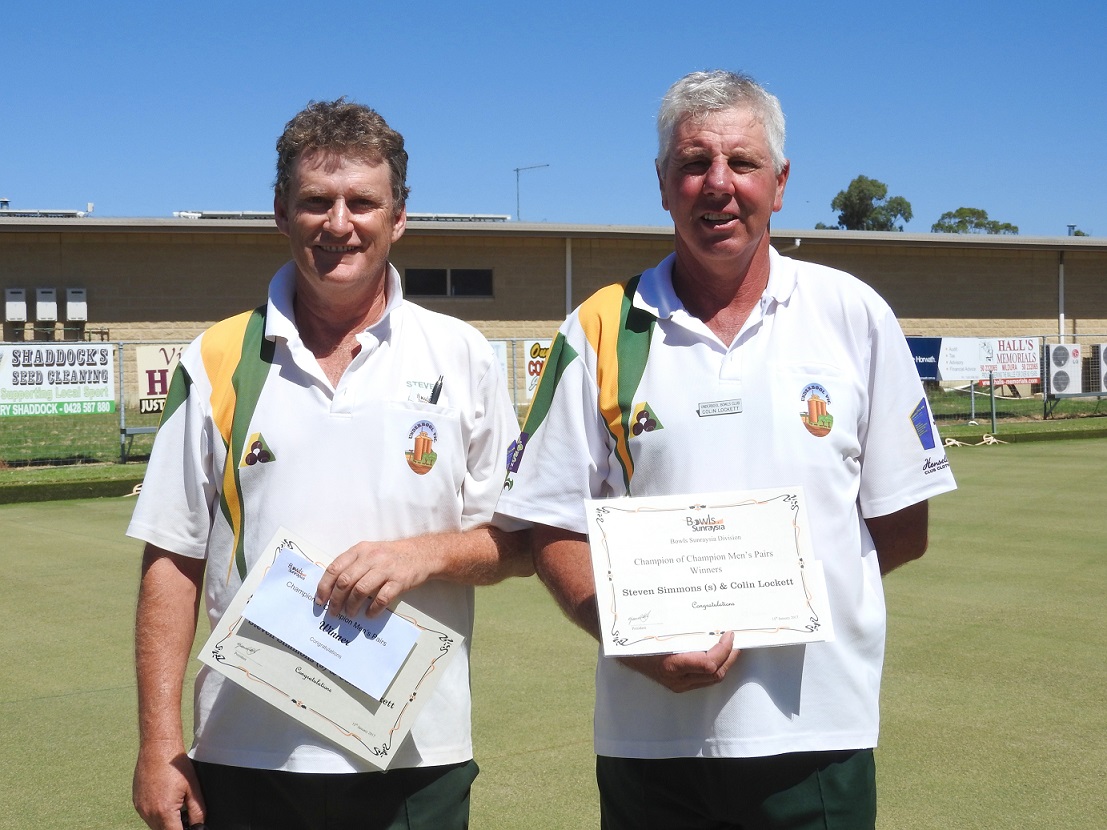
(257, 452)
(816, 418)
(644, 420)
(422, 455)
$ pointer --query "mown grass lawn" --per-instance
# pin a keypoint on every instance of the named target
(994, 685)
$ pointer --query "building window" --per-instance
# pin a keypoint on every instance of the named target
(426, 282)
(448, 282)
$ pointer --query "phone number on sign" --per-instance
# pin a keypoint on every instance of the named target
(53, 408)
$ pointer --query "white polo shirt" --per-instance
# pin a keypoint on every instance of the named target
(818, 389)
(339, 467)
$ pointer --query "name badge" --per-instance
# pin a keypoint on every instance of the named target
(709, 408)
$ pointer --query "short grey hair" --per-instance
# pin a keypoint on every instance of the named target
(700, 93)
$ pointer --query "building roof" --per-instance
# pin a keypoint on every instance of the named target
(443, 225)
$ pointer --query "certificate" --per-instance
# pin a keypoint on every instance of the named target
(398, 657)
(674, 573)
(367, 652)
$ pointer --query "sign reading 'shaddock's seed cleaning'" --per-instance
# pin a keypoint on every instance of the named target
(57, 379)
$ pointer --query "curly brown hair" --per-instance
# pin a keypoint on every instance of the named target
(348, 128)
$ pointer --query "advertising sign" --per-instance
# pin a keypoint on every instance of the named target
(156, 365)
(535, 358)
(1007, 359)
(1011, 359)
(959, 359)
(925, 350)
(57, 379)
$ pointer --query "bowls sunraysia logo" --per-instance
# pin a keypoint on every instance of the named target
(816, 419)
(422, 455)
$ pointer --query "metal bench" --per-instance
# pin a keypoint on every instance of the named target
(127, 437)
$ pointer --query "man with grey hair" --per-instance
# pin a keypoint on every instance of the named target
(698, 376)
(298, 415)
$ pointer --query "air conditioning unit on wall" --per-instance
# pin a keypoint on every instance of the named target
(1062, 369)
(1097, 382)
(15, 305)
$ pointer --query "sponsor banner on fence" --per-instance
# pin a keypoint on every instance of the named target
(1011, 359)
(925, 350)
(57, 379)
(1007, 359)
(156, 365)
(535, 358)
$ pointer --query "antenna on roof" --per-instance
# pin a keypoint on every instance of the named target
(518, 212)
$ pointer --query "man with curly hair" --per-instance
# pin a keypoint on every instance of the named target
(298, 414)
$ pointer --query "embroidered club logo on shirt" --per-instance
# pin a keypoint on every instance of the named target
(644, 420)
(816, 419)
(422, 455)
(257, 452)
(924, 427)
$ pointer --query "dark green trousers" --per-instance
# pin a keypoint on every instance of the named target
(802, 791)
(426, 798)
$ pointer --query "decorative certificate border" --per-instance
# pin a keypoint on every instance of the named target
(716, 594)
(299, 687)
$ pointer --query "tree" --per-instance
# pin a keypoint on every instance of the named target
(865, 206)
(971, 220)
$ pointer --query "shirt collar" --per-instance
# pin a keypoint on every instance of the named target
(782, 278)
(656, 295)
(281, 318)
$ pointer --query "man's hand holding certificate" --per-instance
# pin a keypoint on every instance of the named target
(366, 653)
(673, 573)
(359, 682)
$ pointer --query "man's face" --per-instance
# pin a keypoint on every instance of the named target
(341, 221)
(720, 187)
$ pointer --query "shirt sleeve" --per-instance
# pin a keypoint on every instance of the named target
(562, 456)
(903, 460)
(494, 424)
(180, 490)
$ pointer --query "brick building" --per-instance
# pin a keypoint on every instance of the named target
(166, 279)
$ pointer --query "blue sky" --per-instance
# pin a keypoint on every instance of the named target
(149, 108)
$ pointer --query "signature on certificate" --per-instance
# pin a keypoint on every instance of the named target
(245, 652)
